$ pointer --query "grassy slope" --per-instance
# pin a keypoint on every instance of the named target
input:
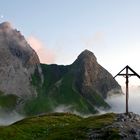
(57, 126)
(8, 101)
(57, 90)
(65, 93)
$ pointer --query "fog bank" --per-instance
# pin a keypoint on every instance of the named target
(7, 118)
(117, 103)
(69, 108)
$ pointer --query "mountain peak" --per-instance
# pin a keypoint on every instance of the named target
(5, 25)
(85, 57)
(86, 51)
(91, 75)
(17, 64)
(86, 54)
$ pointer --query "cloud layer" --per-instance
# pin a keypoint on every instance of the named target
(118, 102)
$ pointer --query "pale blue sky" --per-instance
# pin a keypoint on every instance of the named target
(109, 28)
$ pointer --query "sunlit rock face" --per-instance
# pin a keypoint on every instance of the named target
(18, 62)
(91, 76)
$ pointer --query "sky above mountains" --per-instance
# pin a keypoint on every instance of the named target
(60, 29)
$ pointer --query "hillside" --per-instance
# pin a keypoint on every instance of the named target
(80, 87)
(52, 94)
(59, 126)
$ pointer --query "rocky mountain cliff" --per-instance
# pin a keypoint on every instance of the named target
(91, 76)
(18, 61)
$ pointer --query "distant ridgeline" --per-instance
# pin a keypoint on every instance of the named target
(34, 88)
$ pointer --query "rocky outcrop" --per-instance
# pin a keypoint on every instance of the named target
(127, 127)
(18, 62)
(92, 77)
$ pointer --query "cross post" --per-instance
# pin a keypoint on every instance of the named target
(127, 75)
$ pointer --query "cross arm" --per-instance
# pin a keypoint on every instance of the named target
(119, 73)
(134, 72)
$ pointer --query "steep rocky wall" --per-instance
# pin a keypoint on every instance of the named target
(18, 62)
(92, 77)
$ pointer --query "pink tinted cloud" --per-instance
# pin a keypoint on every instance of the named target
(45, 54)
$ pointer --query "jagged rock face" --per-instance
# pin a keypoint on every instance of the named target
(91, 77)
(127, 127)
(18, 61)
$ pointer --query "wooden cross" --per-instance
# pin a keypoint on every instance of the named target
(127, 75)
